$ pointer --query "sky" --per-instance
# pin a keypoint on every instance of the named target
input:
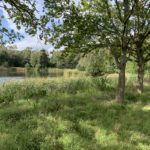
(28, 40)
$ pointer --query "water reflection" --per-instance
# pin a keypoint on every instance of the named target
(21, 73)
(11, 72)
(4, 79)
(37, 72)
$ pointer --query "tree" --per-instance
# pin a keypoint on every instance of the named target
(139, 35)
(44, 58)
(22, 13)
(55, 59)
(35, 58)
(89, 25)
(97, 63)
(12, 57)
(60, 59)
(3, 56)
(39, 58)
(26, 54)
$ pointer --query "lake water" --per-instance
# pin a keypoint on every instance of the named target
(20, 74)
(4, 79)
(11, 74)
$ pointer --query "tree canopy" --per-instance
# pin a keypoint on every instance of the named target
(88, 25)
(21, 13)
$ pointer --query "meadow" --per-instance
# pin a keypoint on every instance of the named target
(73, 114)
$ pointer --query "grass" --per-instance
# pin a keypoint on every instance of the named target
(74, 114)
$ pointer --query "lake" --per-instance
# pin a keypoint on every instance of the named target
(7, 74)
(4, 79)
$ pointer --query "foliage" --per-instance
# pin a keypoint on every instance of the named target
(61, 60)
(22, 13)
(147, 67)
(27, 67)
(131, 67)
(97, 63)
(35, 58)
(11, 57)
(39, 59)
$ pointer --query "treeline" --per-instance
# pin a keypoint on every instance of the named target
(11, 57)
(95, 63)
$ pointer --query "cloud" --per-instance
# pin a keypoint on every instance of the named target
(33, 42)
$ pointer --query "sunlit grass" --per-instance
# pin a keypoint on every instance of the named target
(72, 114)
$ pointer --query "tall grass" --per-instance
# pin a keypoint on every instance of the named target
(74, 114)
(83, 121)
(35, 88)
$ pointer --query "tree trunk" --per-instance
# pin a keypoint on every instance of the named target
(121, 79)
(141, 65)
(123, 59)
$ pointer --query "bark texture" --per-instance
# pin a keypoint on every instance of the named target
(141, 66)
(121, 79)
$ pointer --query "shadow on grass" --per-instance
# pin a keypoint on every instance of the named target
(124, 124)
(90, 121)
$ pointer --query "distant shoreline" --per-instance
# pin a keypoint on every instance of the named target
(13, 69)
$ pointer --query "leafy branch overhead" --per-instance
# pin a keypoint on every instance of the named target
(22, 13)
(86, 24)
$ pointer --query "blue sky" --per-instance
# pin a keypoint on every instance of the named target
(28, 40)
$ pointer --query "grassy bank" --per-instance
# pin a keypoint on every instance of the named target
(74, 114)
